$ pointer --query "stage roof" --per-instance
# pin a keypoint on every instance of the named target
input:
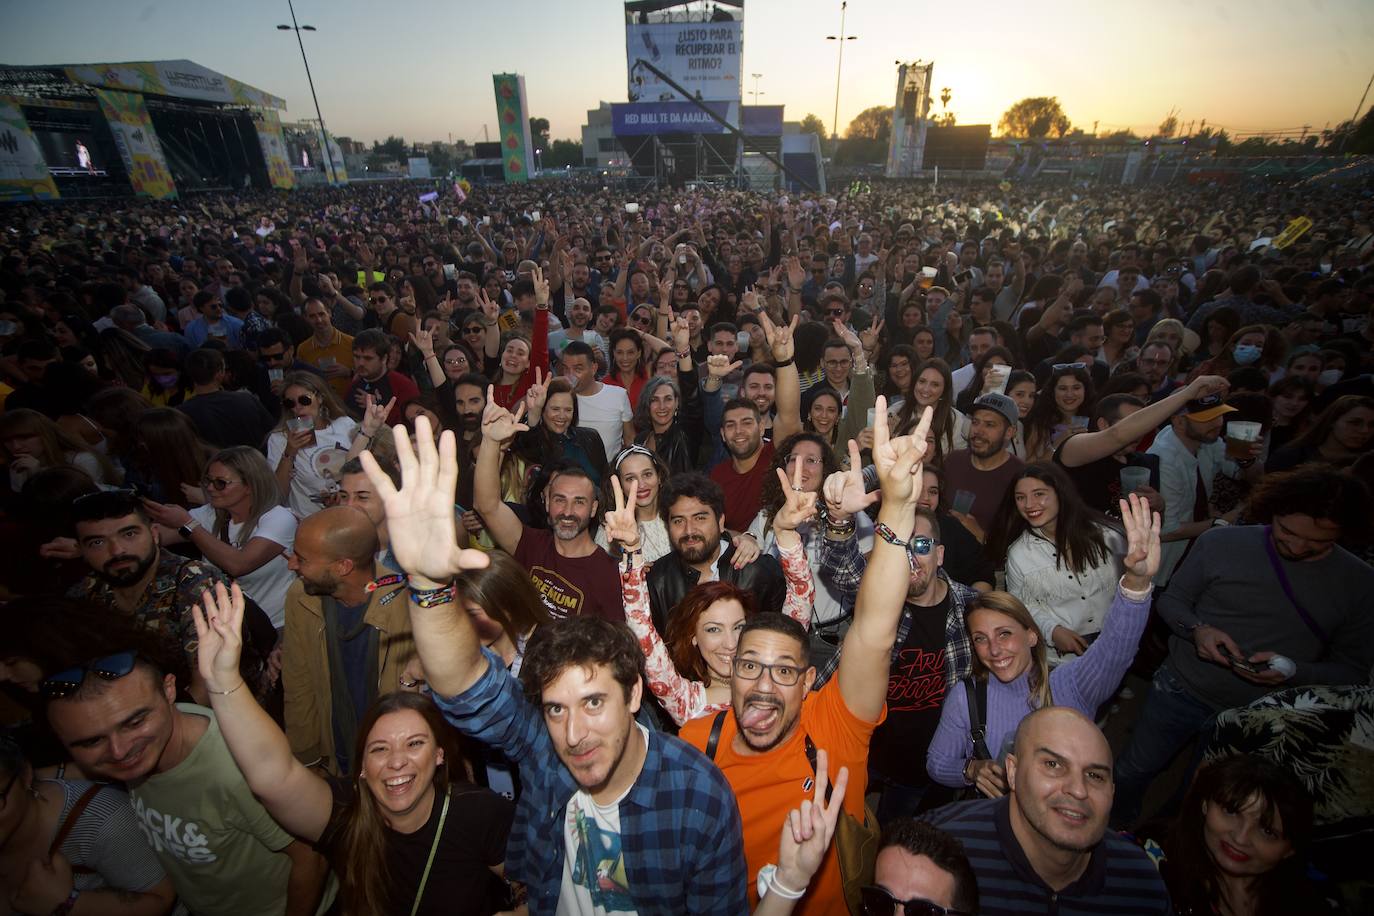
(182, 79)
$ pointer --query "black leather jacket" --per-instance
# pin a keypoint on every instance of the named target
(680, 444)
(670, 580)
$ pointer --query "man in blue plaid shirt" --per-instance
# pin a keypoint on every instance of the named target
(612, 818)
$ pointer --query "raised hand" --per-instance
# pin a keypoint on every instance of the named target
(498, 423)
(844, 490)
(419, 516)
(681, 334)
(424, 341)
(537, 393)
(898, 460)
(750, 300)
(1142, 542)
(622, 527)
(779, 337)
(798, 506)
(842, 331)
(807, 833)
(870, 335)
(219, 636)
(374, 414)
(444, 307)
(718, 366)
(1205, 385)
(490, 310)
(796, 275)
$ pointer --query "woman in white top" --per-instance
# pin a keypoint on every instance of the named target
(933, 387)
(1062, 559)
(310, 443)
(244, 530)
(641, 466)
(30, 442)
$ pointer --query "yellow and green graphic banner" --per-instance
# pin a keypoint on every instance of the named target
(138, 144)
(268, 125)
(23, 173)
(513, 120)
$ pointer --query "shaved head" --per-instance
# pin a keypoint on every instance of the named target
(340, 533)
(1060, 774)
(1055, 721)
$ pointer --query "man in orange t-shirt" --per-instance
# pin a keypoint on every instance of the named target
(762, 742)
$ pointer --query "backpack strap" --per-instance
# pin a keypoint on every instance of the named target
(714, 741)
(976, 693)
(811, 759)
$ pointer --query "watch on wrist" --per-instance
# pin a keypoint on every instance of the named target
(186, 529)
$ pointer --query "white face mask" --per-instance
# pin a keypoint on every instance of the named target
(1328, 377)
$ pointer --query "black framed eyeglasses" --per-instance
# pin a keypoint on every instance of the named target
(304, 400)
(109, 668)
(782, 675)
(876, 901)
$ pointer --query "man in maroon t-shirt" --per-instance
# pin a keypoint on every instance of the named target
(750, 462)
(571, 573)
(371, 377)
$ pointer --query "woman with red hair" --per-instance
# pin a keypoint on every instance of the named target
(689, 667)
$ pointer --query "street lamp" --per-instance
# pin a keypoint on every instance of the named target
(324, 137)
(757, 77)
(839, 67)
(537, 167)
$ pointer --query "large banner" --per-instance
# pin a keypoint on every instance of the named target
(335, 154)
(513, 120)
(906, 142)
(701, 57)
(23, 173)
(268, 126)
(644, 118)
(138, 144)
(178, 78)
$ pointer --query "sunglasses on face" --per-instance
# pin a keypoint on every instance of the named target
(219, 484)
(641, 319)
(475, 329)
(304, 400)
(876, 901)
(273, 357)
(110, 668)
(377, 300)
(921, 545)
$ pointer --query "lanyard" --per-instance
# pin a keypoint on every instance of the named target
(429, 863)
(1274, 561)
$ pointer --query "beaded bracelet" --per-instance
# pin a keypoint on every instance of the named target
(432, 597)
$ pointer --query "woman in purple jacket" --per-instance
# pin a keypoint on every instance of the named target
(1008, 644)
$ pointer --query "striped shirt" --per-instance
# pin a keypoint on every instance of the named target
(1120, 879)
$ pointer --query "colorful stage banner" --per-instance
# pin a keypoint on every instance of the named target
(23, 173)
(138, 143)
(268, 125)
(513, 120)
(335, 153)
(177, 78)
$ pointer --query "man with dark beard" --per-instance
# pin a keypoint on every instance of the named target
(347, 637)
(572, 574)
(134, 577)
(693, 508)
(765, 743)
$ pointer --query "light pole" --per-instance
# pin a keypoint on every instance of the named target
(839, 68)
(757, 77)
(537, 167)
(324, 137)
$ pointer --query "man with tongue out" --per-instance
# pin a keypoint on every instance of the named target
(761, 743)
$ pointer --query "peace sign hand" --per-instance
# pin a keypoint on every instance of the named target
(870, 335)
(537, 393)
(622, 527)
(798, 506)
(844, 491)
(809, 829)
(490, 310)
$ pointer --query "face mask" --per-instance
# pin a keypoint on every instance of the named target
(165, 381)
(1245, 354)
(1328, 377)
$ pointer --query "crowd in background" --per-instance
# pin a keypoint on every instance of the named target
(555, 546)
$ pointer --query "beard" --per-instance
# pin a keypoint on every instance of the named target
(469, 422)
(692, 549)
(319, 587)
(569, 527)
(132, 574)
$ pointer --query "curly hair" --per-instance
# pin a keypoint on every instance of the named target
(1317, 490)
(586, 642)
(771, 496)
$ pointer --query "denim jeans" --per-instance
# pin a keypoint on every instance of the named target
(895, 800)
(1170, 718)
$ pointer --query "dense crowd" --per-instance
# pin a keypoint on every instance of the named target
(562, 549)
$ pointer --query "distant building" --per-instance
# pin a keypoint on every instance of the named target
(600, 148)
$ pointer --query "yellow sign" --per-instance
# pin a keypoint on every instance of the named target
(1291, 232)
(138, 144)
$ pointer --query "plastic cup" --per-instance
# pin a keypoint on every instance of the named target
(872, 413)
(1133, 478)
(1240, 436)
(963, 501)
(300, 424)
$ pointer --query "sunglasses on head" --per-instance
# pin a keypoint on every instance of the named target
(876, 901)
(109, 668)
(304, 400)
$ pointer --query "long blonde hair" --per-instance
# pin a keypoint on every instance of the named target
(331, 408)
(59, 447)
(256, 474)
(1008, 604)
